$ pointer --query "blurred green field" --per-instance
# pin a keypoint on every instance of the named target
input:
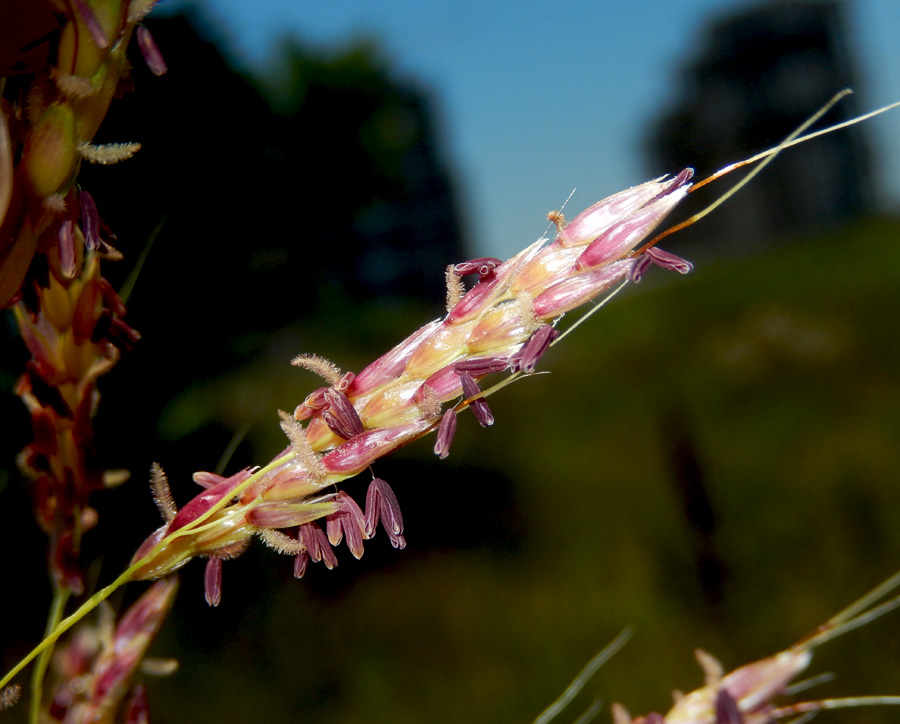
(713, 461)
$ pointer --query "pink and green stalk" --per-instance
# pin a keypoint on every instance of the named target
(504, 322)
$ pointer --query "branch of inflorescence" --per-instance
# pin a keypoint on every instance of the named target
(197, 524)
(766, 157)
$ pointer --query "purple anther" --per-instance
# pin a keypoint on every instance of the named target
(482, 266)
(314, 402)
(345, 381)
(381, 504)
(91, 23)
(341, 416)
(529, 353)
(676, 183)
(480, 406)
(727, 709)
(640, 268)
(668, 260)
(301, 560)
(481, 366)
(348, 521)
(150, 50)
(212, 581)
(90, 221)
(445, 433)
(314, 542)
(66, 239)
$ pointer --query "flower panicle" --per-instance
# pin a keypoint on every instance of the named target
(504, 322)
(73, 326)
(52, 241)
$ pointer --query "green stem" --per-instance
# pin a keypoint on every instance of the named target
(67, 623)
(58, 605)
(101, 595)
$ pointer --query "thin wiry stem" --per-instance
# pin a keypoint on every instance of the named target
(796, 142)
(236, 439)
(128, 286)
(856, 614)
(583, 676)
(767, 157)
(593, 310)
(844, 703)
(591, 713)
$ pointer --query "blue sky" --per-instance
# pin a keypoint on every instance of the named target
(536, 98)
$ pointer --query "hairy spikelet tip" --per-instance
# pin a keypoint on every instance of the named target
(431, 403)
(107, 154)
(162, 496)
(74, 86)
(455, 288)
(296, 433)
(280, 542)
(326, 369)
(9, 695)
